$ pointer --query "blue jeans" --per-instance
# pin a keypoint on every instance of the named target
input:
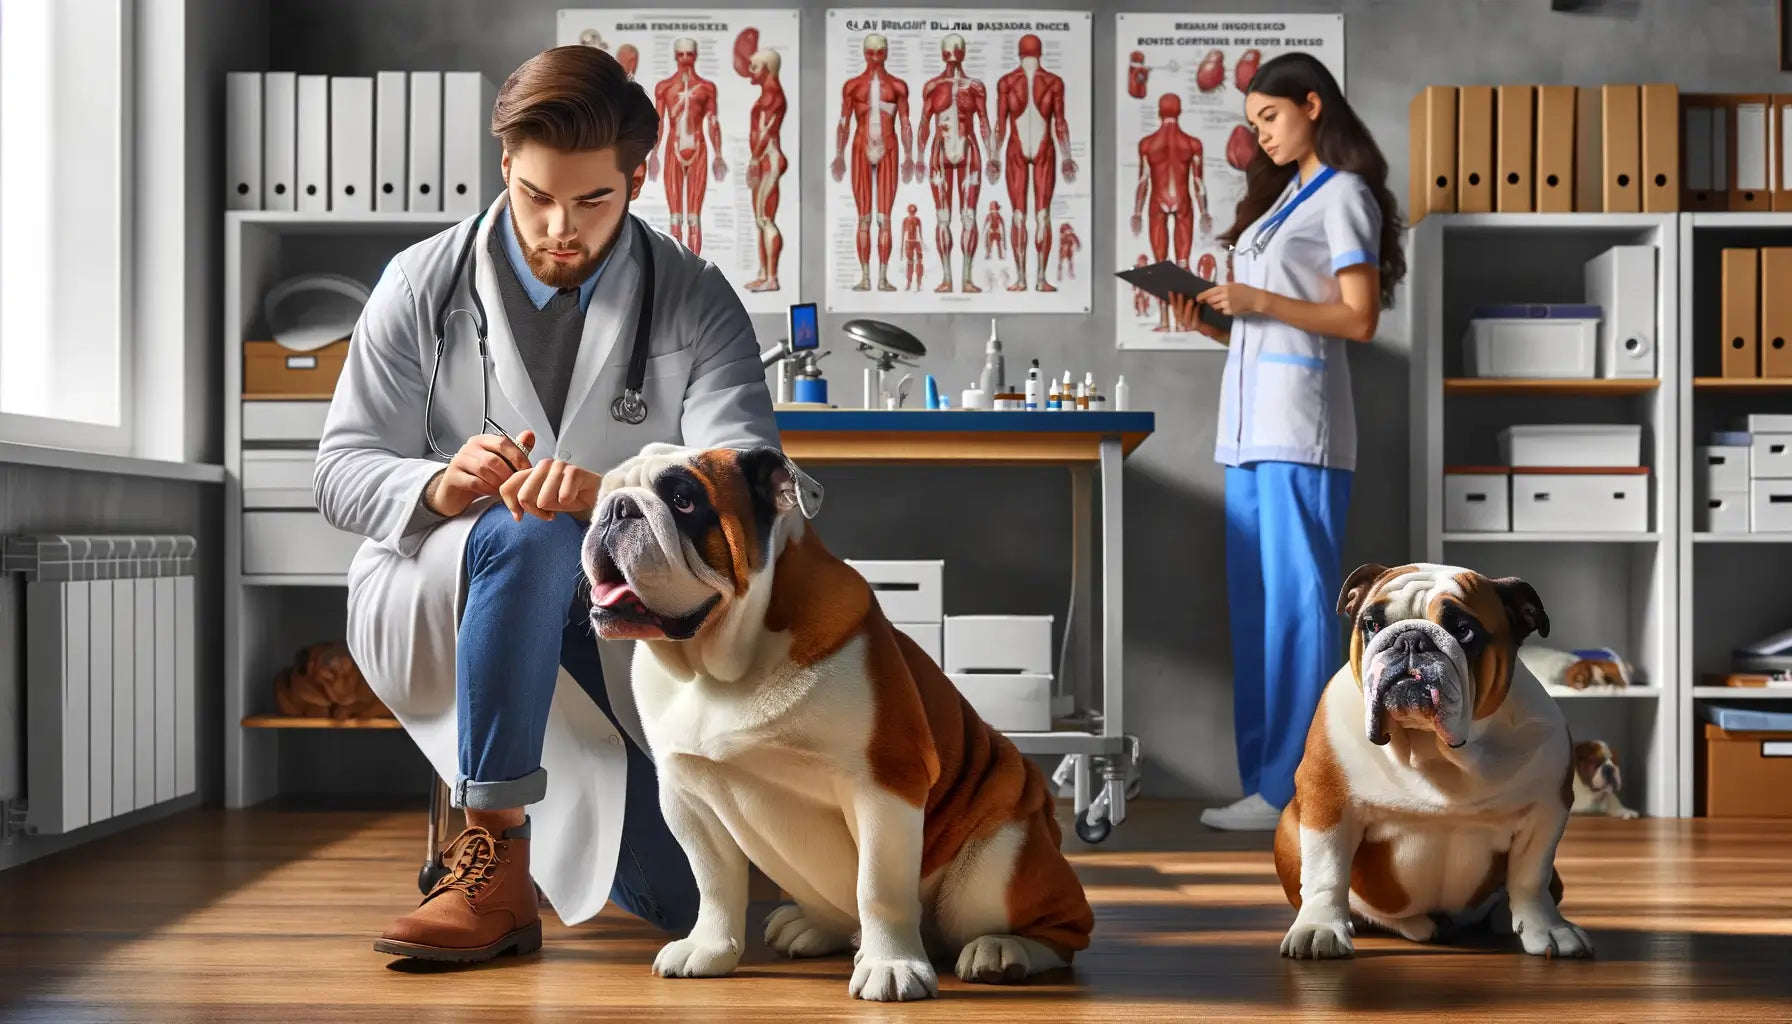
(1284, 537)
(525, 617)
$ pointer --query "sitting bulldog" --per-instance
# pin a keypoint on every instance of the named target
(1437, 775)
(795, 728)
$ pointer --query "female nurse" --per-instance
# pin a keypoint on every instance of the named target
(1316, 245)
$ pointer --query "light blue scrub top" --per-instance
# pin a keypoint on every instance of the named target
(1286, 392)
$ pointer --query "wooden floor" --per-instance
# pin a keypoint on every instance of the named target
(269, 915)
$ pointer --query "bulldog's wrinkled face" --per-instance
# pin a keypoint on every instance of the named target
(1433, 646)
(679, 533)
(1597, 766)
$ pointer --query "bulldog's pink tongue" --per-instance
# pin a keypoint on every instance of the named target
(609, 595)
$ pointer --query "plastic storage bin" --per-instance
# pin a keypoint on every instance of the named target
(1720, 469)
(1477, 500)
(278, 478)
(1011, 701)
(1580, 502)
(295, 543)
(284, 421)
(908, 591)
(1770, 506)
(1770, 456)
(1724, 512)
(1572, 445)
(999, 643)
(1534, 340)
(925, 634)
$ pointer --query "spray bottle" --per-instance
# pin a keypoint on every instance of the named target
(994, 378)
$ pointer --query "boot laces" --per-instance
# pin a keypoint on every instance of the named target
(475, 864)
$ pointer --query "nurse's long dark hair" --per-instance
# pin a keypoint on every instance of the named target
(1341, 140)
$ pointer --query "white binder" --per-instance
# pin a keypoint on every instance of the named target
(351, 144)
(242, 161)
(469, 150)
(313, 145)
(390, 115)
(280, 130)
(1621, 282)
(423, 170)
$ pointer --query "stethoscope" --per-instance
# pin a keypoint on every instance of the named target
(1267, 230)
(628, 407)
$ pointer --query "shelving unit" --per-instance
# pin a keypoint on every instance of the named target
(1603, 589)
(269, 616)
(1734, 587)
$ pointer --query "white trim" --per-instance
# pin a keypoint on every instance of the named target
(15, 454)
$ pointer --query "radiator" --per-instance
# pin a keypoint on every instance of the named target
(109, 675)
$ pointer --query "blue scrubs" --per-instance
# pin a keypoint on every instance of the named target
(1287, 436)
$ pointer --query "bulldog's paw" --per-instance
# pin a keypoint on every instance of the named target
(790, 932)
(893, 979)
(693, 958)
(1004, 959)
(1547, 934)
(1318, 938)
(1624, 813)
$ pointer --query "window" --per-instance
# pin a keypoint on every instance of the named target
(65, 223)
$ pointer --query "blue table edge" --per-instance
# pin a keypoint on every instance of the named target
(964, 421)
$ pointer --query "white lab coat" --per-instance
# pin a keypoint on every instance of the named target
(704, 387)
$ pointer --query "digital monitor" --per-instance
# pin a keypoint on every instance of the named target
(805, 327)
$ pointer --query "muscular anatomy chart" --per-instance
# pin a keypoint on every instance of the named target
(974, 125)
(1184, 143)
(723, 86)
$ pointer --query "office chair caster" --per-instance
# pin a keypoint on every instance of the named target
(1092, 831)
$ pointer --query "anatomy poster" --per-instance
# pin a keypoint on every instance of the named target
(958, 168)
(723, 179)
(1183, 143)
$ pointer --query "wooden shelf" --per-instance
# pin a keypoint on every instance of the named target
(1580, 386)
(290, 722)
(1551, 537)
(1742, 383)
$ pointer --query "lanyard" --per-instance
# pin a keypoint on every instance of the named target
(1261, 239)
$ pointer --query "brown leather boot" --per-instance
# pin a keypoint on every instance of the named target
(483, 907)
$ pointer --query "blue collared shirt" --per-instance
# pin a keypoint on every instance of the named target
(538, 292)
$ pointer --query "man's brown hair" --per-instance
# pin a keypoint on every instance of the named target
(573, 98)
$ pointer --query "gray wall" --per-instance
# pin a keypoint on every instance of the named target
(1001, 532)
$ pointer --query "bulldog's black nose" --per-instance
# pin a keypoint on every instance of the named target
(1413, 642)
(625, 507)
(1606, 772)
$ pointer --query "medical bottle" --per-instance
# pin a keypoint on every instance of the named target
(1053, 398)
(993, 376)
(1097, 402)
(1033, 387)
(1067, 395)
(1120, 394)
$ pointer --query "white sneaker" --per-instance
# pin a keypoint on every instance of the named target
(1252, 814)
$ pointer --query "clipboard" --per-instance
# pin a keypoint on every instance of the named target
(1164, 279)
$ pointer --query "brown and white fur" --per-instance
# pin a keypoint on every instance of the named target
(793, 727)
(1436, 779)
(1598, 780)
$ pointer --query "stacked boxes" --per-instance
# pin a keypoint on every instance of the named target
(1569, 478)
(911, 594)
(1743, 479)
(1003, 666)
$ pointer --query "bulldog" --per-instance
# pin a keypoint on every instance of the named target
(1437, 775)
(793, 727)
(1598, 781)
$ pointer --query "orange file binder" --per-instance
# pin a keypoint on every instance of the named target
(1589, 150)
(1621, 120)
(1432, 120)
(1739, 307)
(1704, 153)
(1555, 149)
(1660, 117)
(1474, 149)
(1750, 144)
(1776, 312)
(1512, 160)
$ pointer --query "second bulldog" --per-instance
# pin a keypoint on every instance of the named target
(795, 728)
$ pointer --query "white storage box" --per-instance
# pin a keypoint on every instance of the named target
(284, 421)
(295, 543)
(1770, 456)
(926, 634)
(1477, 501)
(1580, 502)
(1768, 423)
(1010, 702)
(1720, 469)
(1538, 340)
(998, 643)
(1572, 445)
(908, 591)
(278, 478)
(1770, 506)
(1721, 512)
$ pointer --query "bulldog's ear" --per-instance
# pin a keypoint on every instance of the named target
(1357, 588)
(1524, 609)
(771, 473)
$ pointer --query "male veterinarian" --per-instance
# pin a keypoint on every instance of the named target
(463, 606)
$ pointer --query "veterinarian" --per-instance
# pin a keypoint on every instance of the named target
(473, 479)
(1316, 244)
